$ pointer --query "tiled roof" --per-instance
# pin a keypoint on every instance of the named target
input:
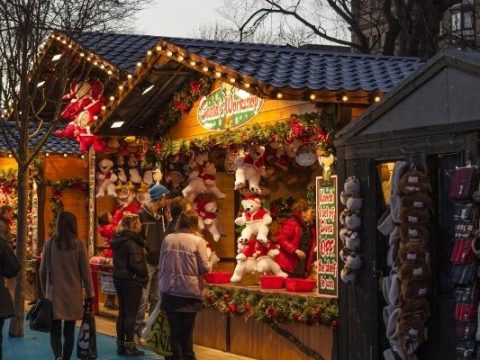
(275, 65)
(54, 145)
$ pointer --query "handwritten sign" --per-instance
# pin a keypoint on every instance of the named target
(326, 207)
(157, 335)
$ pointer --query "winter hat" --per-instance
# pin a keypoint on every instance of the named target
(157, 192)
(253, 197)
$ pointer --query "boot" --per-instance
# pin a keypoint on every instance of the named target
(110, 303)
(120, 347)
(131, 349)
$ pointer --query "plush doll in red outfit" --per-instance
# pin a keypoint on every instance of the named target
(296, 238)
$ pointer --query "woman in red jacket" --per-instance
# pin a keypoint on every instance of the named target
(296, 237)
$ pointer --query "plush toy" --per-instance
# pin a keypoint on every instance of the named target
(174, 176)
(107, 228)
(147, 174)
(126, 198)
(120, 168)
(106, 178)
(207, 216)
(208, 173)
(249, 168)
(255, 219)
(196, 185)
(133, 172)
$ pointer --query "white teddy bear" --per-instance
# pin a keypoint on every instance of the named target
(133, 173)
(207, 216)
(250, 167)
(196, 185)
(255, 218)
(209, 175)
(106, 178)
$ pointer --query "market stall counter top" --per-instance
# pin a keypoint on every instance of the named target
(266, 324)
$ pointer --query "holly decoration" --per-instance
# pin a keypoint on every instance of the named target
(318, 127)
(56, 199)
(268, 307)
(182, 102)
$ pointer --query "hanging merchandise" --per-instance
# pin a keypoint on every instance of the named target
(413, 261)
(350, 225)
(464, 259)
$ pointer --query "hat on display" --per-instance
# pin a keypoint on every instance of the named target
(157, 192)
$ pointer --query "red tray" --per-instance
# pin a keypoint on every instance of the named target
(299, 285)
(271, 282)
(218, 277)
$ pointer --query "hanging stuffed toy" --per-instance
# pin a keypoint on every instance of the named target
(209, 175)
(250, 166)
(106, 178)
(207, 216)
(196, 185)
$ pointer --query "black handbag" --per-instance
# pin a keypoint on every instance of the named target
(7, 310)
(40, 315)
(87, 336)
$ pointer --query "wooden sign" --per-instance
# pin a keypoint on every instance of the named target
(327, 228)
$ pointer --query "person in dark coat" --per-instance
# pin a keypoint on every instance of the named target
(154, 221)
(176, 207)
(9, 267)
(183, 262)
(6, 218)
(296, 237)
(130, 275)
(64, 281)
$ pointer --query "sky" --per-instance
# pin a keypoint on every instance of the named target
(180, 18)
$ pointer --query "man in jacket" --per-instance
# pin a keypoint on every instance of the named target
(152, 216)
(9, 267)
(6, 218)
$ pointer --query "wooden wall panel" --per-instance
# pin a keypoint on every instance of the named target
(211, 329)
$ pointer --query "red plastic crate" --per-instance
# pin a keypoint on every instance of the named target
(218, 277)
(271, 282)
(299, 285)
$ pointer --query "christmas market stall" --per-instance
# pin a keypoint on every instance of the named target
(415, 158)
(245, 132)
(58, 181)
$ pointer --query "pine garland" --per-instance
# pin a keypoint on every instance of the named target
(271, 307)
(319, 127)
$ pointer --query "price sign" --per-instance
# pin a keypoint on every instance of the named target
(326, 208)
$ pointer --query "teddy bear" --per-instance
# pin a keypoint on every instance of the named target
(249, 169)
(147, 173)
(83, 135)
(174, 177)
(413, 181)
(255, 218)
(195, 185)
(207, 216)
(208, 174)
(133, 172)
(413, 252)
(106, 178)
(120, 168)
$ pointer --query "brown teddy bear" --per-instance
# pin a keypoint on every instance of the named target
(413, 252)
(414, 215)
(414, 288)
(413, 233)
(413, 181)
(414, 271)
(417, 200)
(418, 308)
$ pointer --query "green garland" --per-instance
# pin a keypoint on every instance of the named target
(271, 307)
(319, 127)
(182, 102)
(56, 199)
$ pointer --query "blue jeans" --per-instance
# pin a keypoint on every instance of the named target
(150, 298)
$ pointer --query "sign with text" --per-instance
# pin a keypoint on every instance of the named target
(326, 211)
(227, 107)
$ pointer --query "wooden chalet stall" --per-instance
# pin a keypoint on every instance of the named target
(178, 98)
(429, 124)
(58, 180)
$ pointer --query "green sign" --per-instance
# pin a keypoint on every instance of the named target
(326, 207)
(227, 107)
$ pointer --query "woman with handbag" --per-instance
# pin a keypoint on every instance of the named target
(9, 267)
(183, 262)
(130, 276)
(64, 273)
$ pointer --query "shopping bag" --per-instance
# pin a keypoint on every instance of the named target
(40, 315)
(157, 332)
(87, 336)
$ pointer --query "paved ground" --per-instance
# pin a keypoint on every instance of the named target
(36, 346)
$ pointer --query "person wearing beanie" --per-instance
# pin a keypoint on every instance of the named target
(152, 217)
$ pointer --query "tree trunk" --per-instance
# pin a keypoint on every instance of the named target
(16, 324)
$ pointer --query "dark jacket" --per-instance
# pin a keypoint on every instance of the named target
(129, 257)
(153, 231)
(5, 230)
(9, 267)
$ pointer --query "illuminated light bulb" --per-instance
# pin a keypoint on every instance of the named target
(129, 76)
(64, 41)
(232, 80)
(70, 46)
(47, 154)
(102, 66)
(313, 96)
(169, 53)
(139, 64)
(58, 38)
(104, 108)
(82, 54)
(65, 155)
(109, 72)
(40, 84)
(218, 74)
(205, 68)
(112, 98)
(52, 36)
(193, 63)
(95, 63)
(149, 53)
(279, 95)
(159, 48)
(180, 58)
(9, 155)
(377, 98)
(89, 58)
(344, 98)
(83, 156)
(247, 85)
(95, 117)
(120, 87)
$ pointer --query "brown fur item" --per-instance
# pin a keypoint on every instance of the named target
(414, 271)
(417, 308)
(418, 200)
(413, 252)
(413, 181)
(411, 289)
(413, 233)
(414, 216)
